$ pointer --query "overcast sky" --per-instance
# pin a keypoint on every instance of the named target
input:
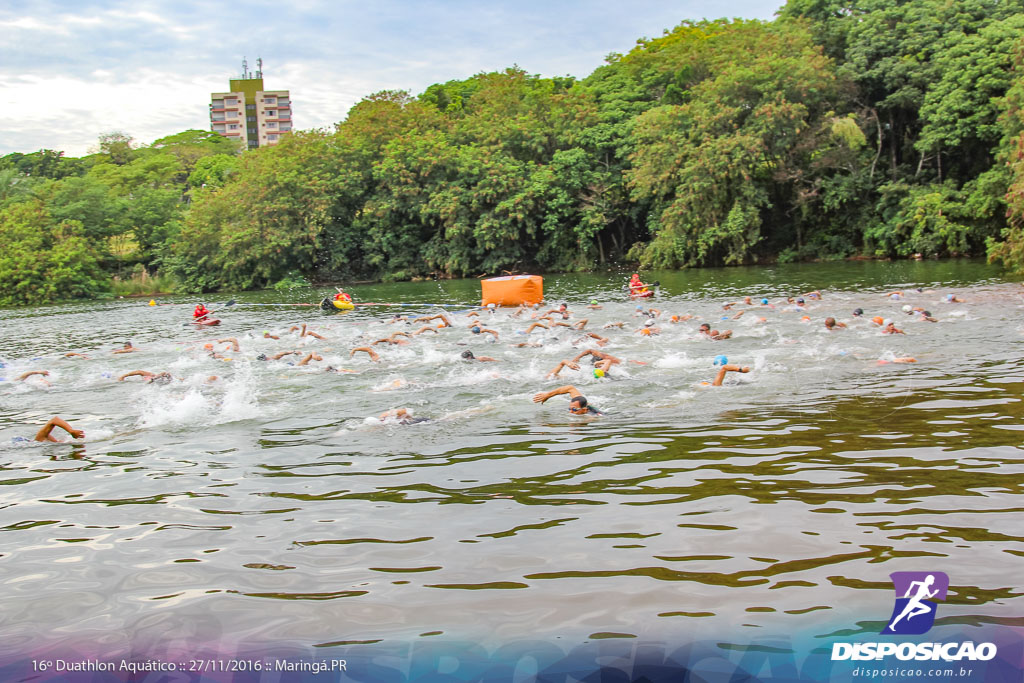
(71, 70)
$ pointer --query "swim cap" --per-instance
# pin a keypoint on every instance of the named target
(598, 373)
(906, 308)
(675, 318)
(648, 322)
(858, 311)
(645, 330)
(877, 320)
(721, 360)
(475, 329)
(949, 297)
(926, 314)
(886, 322)
(805, 319)
(593, 302)
(262, 356)
(764, 301)
(799, 299)
(467, 354)
(490, 305)
(639, 307)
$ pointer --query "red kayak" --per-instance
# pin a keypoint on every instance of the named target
(213, 321)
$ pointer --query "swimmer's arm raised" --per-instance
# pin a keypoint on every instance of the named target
(44, 434)
(543, 396)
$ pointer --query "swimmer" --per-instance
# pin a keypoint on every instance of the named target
(831, 324)
(310, 333)
(331, 368)
(45, 433)
(277, 356)
(30, 373)
(816, 295)
(158, 377)
(402, 415)
(232, 341)
(902, 359)
(426, 328)
(391, 340)
(373, 354)
(706, 330)
(648, 328)
(728, 367)
(577, 401)
(562, 310)
(76, 355)
(127, 348)
(468, 355)
(610, 325)
(889, 327)
(213, 353)
(398, 318)
(267, 335)
(858, 312)
(309, 357)
(593, 305)
(927, 316)
(603, 361)
(681, 318)
(535, 325)
(476, 329)
(445, 322)
(562, 364)
(598, 339)
(895, 296)
(952, 299)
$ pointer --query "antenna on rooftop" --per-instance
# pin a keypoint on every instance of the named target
(259, 67)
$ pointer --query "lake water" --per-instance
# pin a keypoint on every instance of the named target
(271, 506)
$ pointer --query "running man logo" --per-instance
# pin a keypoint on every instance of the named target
(914, 611)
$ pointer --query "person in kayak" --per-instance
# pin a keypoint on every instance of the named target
(342, 295)
(636, 286)
(200, 313)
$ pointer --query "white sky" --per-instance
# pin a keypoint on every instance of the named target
(71, 70)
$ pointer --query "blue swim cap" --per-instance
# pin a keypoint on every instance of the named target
(475, 329)
(721, 360)
(764, 301)
(19, 439)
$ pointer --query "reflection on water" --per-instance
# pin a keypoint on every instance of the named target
(272, 505)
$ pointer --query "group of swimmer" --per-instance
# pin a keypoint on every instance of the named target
(553, 319)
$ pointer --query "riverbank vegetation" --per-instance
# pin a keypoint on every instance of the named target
(875, 129)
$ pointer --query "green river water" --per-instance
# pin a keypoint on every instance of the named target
(272, 506)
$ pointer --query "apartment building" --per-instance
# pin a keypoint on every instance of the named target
(249, 113)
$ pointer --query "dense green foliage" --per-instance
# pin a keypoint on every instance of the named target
(876, 128)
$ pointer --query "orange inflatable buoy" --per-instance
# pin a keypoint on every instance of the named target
(512, 290)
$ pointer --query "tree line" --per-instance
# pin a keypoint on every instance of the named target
(878, 128)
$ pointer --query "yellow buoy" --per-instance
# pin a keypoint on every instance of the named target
(152, 302)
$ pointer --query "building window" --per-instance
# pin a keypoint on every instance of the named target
(271, 137)
(233, 126)
(230, 103)
(270, 113)
(272, 125)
